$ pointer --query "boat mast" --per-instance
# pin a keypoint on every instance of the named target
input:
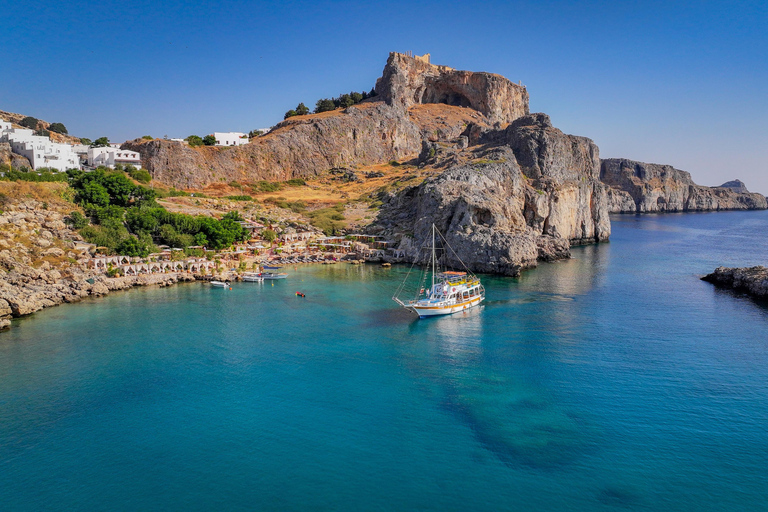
(433, 255)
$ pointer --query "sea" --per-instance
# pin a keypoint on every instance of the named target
(615, 380)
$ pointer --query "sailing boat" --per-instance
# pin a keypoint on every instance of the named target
(450, 291)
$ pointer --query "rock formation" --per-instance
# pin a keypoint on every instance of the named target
(409, 81)
(637, 187)
(40, 267)
(525, 194)
(752, 280)
(11, 159)
(389, 126)
(737, 186)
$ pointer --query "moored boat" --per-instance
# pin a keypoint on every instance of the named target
(271, 273)
(252, 277)
(220, 284)
(449, 292)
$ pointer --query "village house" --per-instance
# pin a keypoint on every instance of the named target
(112, 155)
(39, 150)
(230, 138)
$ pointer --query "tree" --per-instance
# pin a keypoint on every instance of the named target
(194, 140)
(85, 141)
(101, 142)
(43, 133)
(148, 137)
(29, 122)
(345, 100)
(255, 133)
(356, 97)
(93, 193)
(133, 247)
(290, 113)
(58, 128)
(324, 105)
(209, 140)
(302, 109)
(372, 93)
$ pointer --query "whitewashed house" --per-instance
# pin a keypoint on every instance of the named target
(40, 151)
(112, 155)
(230, 138)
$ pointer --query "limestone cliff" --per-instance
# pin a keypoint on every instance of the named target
(525, 194)
(409, 81)
(642, 188)
(390, 126)
(11, 159)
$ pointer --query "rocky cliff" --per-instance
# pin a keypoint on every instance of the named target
(751, 280)
(390, 126)
(524, 194)
(409, 81)
(11, 159)
(643, 188)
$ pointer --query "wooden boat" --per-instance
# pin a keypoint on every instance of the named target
(450, 291)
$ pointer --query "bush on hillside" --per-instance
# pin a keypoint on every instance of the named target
(58, 128)
(29, 122)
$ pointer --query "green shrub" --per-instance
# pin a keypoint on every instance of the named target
(296, 182)
(140, 175)
(76, 220)
(269, 235)
(267, 186)
(329, 220)
(240, 198)
(29, 122)
(148, 137)
(194, 140)
(58, 128)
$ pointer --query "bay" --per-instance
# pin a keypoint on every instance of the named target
(616, 380)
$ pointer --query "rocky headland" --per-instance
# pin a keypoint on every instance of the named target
(637, 187)
(41, 263)
(750, 280)
(524, 194)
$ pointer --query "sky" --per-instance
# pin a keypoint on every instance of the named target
(673, 82)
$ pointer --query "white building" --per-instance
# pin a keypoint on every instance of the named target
(230, 138)
(40, 151)
(112, 155)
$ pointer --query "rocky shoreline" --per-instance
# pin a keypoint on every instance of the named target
(750, 280)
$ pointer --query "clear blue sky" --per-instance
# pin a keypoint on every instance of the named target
(682, 83)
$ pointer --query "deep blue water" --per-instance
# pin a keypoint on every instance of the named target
(616, 380)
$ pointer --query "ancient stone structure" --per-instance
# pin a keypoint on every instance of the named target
(409, 81)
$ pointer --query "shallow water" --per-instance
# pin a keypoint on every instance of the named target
(616, 380)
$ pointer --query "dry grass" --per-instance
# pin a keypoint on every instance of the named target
(58, 195)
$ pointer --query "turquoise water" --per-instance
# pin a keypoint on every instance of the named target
(616, 380)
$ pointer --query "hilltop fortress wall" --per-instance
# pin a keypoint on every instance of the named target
(412, 80)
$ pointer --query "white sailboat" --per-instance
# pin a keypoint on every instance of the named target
(450, 291)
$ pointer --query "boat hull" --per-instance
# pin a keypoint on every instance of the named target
(274, 276)
(425, 311)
